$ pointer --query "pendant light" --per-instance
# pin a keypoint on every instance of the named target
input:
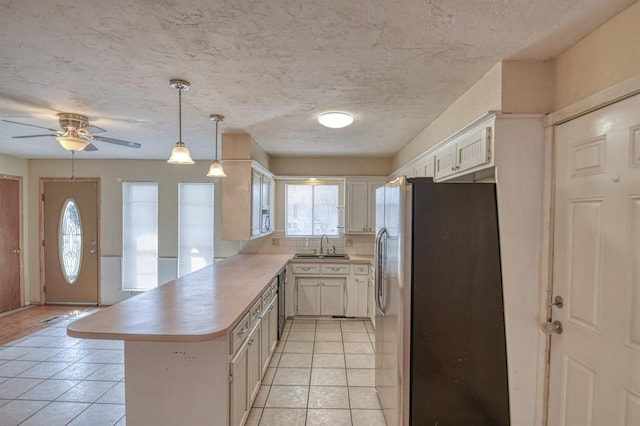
(216, 169)
(180, 153)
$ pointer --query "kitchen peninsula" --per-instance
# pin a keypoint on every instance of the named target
(179, 338)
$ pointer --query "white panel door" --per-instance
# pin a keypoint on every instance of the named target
(595, 362)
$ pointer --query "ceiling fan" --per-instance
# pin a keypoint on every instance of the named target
(76, 133)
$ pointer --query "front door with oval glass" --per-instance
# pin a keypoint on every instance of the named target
(71, 242)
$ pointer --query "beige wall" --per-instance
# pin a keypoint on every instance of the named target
(608, 55)
(330, 166)
(527, 87)
(112, 173)
(13, 166)
(243, 146)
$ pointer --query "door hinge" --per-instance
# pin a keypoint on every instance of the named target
(43, 197)
(42, 243)
(230, 378)
(44, 288)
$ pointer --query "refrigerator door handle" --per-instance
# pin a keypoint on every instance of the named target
(379, 262)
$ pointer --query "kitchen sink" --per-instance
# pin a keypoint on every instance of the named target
(320, 256)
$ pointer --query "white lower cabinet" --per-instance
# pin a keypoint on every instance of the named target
(252, 343)
(254, 367)
(331, 289)
(332, 296)
(238, 387)
(320, 296)
(308, 296)
(358, 304)
(269, 334)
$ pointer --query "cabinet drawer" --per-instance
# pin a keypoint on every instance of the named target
(302, 268)
(254, 312)
(336, 269)
(239, 333)
(361, 269)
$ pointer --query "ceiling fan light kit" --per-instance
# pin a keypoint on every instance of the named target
(216, 170)
(72, 142)
(180, 153)
(335, 119)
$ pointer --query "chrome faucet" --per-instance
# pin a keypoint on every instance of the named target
(325, 237)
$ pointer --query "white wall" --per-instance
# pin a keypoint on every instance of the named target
(112, 173)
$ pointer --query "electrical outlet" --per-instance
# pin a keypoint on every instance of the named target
(348, 242)
(275, 242)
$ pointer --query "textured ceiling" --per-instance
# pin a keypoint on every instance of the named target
(271, 67)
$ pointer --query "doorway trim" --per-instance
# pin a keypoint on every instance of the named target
(41, 183)
(23, 292)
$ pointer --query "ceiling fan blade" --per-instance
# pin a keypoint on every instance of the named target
(115, 141)
(31, 136)
(90, 147)
(30, 125)
(95, 129)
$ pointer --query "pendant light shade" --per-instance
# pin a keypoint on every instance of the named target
(216, 170)
(180, 153)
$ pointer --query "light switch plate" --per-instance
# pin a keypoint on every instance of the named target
(348, 242)
(275, 242)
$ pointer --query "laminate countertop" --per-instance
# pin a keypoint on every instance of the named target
(198, 307)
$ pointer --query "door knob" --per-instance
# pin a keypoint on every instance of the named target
(15, 251)
(549, 327)
(93, 251)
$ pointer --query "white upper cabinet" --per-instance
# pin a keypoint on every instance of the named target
(360, 211)
(247, 194)
(466, 153)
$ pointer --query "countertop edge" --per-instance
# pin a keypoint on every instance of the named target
(86, 331)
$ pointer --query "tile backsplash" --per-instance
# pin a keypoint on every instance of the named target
(279, 243)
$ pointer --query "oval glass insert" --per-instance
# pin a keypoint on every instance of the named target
(70, 241)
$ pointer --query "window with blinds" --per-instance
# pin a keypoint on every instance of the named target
(195, 226)
(139, 235)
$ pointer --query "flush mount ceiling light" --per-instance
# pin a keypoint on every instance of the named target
(216, 170)
(180, 153)
(335, 120)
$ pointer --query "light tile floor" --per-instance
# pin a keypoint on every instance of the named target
(48, 378)
(322, 373)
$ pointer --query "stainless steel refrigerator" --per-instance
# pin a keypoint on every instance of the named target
(440, 338)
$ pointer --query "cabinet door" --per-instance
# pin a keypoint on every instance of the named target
(239, 402)
(254, 367)
(265, 341)
(273, 326)
(371, 301)
(308, 297)
(445, 162)
(256, 187)
(265, 196)
(371, 205)
(473, 150)
(332, 297)
(357, 205)
(360, 296)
